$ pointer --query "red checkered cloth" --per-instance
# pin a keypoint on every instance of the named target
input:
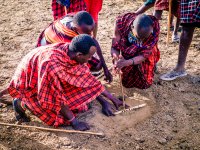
(57, 32)
(190, 11)
(139, 76)
(164, 5)
(94, 7)
(46, 79)
(59, 10)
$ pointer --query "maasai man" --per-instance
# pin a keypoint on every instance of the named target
(53, 82)
(160, 6)
(65, 29)
(62, 7)
(136, 37)
(149, 4)
(190, 19)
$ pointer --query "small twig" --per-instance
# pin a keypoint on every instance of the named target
(129, 109)
(49, 129)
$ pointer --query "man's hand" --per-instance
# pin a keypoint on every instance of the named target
(82, 126)
(115, 57)
(108, 76)
(106, 109)
(122, 63)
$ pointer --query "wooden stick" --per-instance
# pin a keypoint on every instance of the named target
(169, 18)
(129, 109)
(49, 129)
(122, 88)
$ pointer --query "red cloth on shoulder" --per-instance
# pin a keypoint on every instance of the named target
(46, 79)
(140, 76)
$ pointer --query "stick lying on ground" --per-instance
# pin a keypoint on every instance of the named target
(49, 129)
(129, 109)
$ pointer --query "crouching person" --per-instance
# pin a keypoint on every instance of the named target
(54, 82)
(136, 37)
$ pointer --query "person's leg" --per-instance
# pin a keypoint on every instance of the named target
(171, 21)
(95, 8)
(185, 41)
(175, 36)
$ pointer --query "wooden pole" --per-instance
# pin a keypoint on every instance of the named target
(49, 129)
(65, 10)
(122, 88)
(169, 18)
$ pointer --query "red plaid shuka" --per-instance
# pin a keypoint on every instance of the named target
(190, 11)
(139, 76)
(59, 10)
(47, 79)
(164, 5)
(57, 32)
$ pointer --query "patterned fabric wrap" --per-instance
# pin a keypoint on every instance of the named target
(46, 79)
(57, 32)
(94, 7)
(59, 10)
(164, 5)
(190, 11)
(139, 76)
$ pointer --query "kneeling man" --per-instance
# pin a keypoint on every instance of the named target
(54, 83)
(136, 38)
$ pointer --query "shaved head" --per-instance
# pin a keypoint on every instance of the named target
(143, 26)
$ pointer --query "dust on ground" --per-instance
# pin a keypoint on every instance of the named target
(169, 121)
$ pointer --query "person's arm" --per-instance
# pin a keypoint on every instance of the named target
(77, 125)
(132, 61)
(144, 8)
(108, 75)
(114, 100)
(106, 108)
(115, 53)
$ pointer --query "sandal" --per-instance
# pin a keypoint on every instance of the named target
(175, 38)
(172, 75)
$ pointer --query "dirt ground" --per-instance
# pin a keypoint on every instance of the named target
(171, 119)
